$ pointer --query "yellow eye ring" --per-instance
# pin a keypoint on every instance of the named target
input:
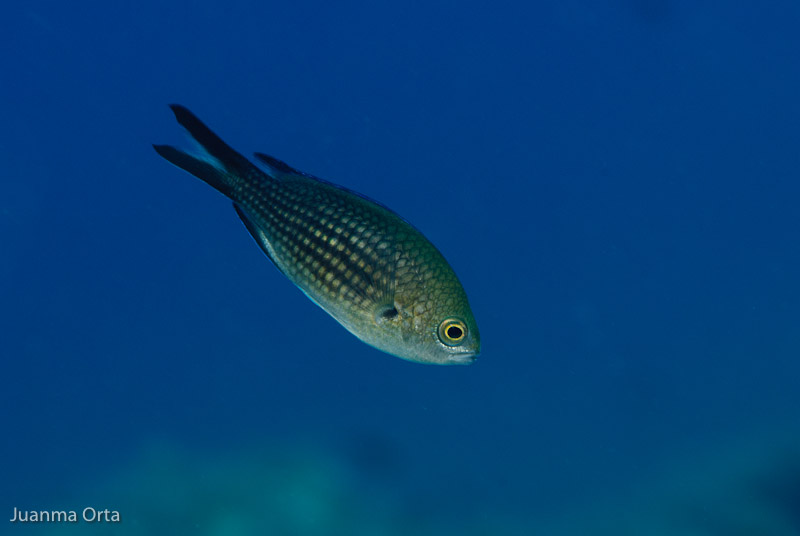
(452, 332)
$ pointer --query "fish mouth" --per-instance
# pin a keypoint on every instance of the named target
(465, 358)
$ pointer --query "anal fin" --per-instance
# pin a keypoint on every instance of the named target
(257, 233)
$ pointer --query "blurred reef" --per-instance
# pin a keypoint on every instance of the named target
(730, 490)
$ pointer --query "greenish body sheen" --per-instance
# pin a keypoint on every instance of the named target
(363, 264)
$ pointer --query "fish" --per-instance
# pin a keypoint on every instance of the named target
(363, 264)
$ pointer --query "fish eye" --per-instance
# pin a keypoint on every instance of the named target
(452, 332)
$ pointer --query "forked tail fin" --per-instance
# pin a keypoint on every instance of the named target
(224, 164)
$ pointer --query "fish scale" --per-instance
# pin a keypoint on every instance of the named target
(363, 264)
(317, 236)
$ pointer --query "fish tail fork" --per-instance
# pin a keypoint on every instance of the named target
(196, 166)
(217, 171)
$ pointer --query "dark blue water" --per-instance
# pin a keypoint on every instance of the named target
(616, 185)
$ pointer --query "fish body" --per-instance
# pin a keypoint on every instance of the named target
(363, 264)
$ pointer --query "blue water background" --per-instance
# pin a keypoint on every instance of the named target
(615, 183)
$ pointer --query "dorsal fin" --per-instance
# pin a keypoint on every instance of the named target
(281, 167)
(277, 165)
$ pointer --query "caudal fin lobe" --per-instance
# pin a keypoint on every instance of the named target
(197, 167)
(212, 143)
(232, 162)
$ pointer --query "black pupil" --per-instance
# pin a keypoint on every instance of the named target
(454, 332)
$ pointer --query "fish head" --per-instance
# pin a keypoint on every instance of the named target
(457, 340)
(430, 333)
